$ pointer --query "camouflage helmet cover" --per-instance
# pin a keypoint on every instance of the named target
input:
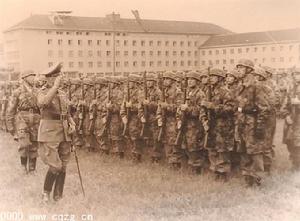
(245, 63)
(218, 72)
(170, 75)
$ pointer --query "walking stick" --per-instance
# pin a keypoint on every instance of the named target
(79, 174)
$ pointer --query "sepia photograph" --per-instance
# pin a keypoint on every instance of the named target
(146, 110)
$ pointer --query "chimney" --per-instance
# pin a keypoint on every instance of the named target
(113, 17)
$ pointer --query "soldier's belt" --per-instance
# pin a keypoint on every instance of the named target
(55, 117)
(30, 110)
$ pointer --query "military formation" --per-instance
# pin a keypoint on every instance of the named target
(210, 119)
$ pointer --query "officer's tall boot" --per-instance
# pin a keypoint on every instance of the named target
(24, 163)
(48, 184)
(59, 186)
(32, 164)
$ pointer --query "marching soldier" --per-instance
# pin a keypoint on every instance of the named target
(55, 129)
(23, 118)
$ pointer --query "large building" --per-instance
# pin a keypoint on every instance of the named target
(278, 49)
(105, 45)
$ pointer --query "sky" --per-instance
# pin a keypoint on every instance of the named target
(235, 15)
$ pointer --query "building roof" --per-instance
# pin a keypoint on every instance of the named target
(126, 25)
(278, 36)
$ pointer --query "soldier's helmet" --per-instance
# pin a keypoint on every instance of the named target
(234, 73)
(134, 78)
(217, 72)
(170, 75)
(268, 70)
(27, 73)
(260, 71)
(194, 75)
(245, 63)
(151, 76)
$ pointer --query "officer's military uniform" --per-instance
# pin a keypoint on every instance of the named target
(23, 118)
(54, 134)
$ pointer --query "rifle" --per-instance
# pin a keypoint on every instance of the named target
(94, 111)
(81, 111)
(183, 115)
(127, 109)
(142, 134)
(208, 113)
(79, 173)
(163, 112)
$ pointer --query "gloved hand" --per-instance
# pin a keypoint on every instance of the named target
(208, 104)
(159, 122)
(124, 120)
(72, 128)
(183, 107)
(104, 120)
(179, 124)
(108, 105)
(205, 125)
(163, 105)
(128, 104)
(289, 120)
(146, 102)
(143, 120)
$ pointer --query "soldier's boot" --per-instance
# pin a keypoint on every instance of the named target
(155, 160)
(24, 163)
(48, 184)
(120, 155)
(136, 157)
(59, 186)
(176, 166)
(196, 170)
(104, 152)
(32, 165)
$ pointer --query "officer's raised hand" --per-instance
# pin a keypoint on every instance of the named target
(57, 81)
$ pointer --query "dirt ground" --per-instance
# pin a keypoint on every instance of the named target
(120, 190)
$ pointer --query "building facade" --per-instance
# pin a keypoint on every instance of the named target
(105, 45)
(277, 49)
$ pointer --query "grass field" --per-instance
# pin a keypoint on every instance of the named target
(120, 190)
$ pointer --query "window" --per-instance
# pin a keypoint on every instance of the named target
(247, 50)
(210, 62)
(158, 43)
(117, 53)
(273, 59)
(107, 42)
(195, 63)
(117, 42)
(99, 53)
(181, 63)
(167, 53)
(158, 53)
(210, 52)
(142, 43)
(71, 64)
(232, 51)
(224, 51)
(98, 42)
(49, 41)
(151, 53)
(224, 61)
(80, 64)
(189, 43)
(181, 43)
(90, 53)
(90, 64)
(150, 43)
(118, 64)
(99, 64)
(78, 33)
(195, 43)
(189, 53)
(182, 53)
(135, 64)
(107, 33)
(108, 53)
(217, 62)
(50, 64)
(134, 43)
(59, 41)
(50, 53)
(203, 63)
(90, 42)
(166, 43)
(125, 42)
(70, 42)
(126, 63)
(71, 54)
(80, 53)
(203, 53)
(195, 53)
(217, 52)
(189, 63)
(159, 63)
(151, 63)
(125, 53)
(174, 53)
(143, 63)
(255, 49)
(174, 63)
(79, 42)
(60, 53)
(240, 50)
(108, 64)
(134, 53)
(174, 43)
(143, 53)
